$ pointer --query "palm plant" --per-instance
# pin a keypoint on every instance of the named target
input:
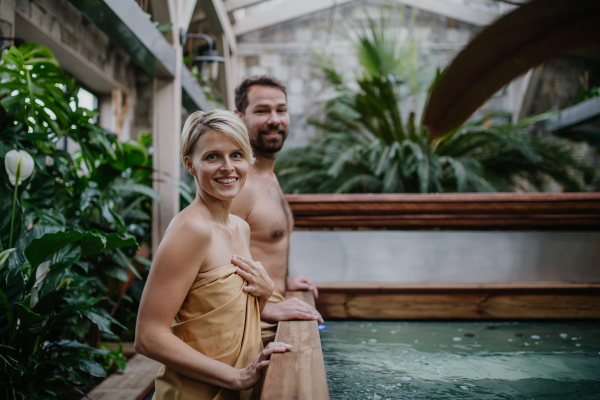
(366, 146)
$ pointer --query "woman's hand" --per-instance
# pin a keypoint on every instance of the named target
(249, 376)
(259, 283)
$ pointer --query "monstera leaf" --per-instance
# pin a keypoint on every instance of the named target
(534, 33)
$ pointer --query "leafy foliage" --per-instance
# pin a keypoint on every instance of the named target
(366, 146)
(78, 223)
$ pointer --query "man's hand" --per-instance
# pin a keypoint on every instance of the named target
(301, 283)
(289, 309)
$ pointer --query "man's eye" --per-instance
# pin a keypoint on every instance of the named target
(282, 111)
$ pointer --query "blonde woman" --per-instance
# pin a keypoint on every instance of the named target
(200, 311)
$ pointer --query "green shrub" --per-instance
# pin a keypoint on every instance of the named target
(365, 146)
(75, 229)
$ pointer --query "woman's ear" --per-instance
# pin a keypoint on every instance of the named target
(187, 161)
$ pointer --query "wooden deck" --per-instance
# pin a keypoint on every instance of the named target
(133, 384)
(300, 373)
(457, 211)
(427, 301)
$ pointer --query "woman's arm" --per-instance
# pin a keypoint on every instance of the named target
(174, 268)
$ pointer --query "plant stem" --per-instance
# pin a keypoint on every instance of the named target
(12, 220)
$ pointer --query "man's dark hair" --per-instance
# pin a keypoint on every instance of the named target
(241, 92)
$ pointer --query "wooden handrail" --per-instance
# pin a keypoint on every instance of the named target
(300, 373)
(473, 211)
(426, 301)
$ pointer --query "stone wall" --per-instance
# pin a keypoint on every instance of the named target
(285, 51)
(61, 20)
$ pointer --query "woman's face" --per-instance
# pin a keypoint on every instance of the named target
(218, 164)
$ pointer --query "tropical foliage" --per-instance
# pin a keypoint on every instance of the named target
(365, 144)
(69, 238)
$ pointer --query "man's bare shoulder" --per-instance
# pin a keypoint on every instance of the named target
(245, 200)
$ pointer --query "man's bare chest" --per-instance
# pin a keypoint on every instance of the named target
(271, 217)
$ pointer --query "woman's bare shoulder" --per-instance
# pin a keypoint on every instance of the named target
(188, 226)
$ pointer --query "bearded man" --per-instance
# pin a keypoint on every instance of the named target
(261, 102)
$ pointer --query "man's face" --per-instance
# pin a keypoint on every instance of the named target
(266, 118)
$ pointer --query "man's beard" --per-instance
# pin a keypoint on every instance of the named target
(268, 146)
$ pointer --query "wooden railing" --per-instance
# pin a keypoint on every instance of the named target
(472, 211)
(300, 373)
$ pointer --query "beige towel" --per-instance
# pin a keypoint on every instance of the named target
(269, 330)
(222, 322)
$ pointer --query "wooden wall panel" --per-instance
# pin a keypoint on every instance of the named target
(474, 211)
(523, 300)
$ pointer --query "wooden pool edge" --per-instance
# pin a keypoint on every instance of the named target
(300, 373)
(468, 301)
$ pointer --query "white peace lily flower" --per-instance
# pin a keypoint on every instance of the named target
(42, 270)
(4, 255)
(18, 160)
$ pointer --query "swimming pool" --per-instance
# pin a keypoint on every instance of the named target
(462, 360)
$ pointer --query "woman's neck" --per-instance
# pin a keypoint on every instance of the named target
(219, 209)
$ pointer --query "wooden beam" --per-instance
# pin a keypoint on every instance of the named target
(298, 9)
(219, 21)
(70, 60)
(508, 211)
(425, 301)
(133, 384)
(284, 13)
(187, 12)
(300, 373)
(232, 5)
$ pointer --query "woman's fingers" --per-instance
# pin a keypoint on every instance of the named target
(248, 277)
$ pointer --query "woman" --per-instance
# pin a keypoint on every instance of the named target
(200, 310)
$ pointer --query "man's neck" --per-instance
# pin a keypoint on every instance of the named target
(265, 162)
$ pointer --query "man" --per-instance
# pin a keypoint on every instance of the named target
(261, 102)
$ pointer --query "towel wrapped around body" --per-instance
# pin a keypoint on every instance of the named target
(268, 330)
(220, 321)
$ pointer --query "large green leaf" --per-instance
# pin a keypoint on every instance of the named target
(532, 34)
(40, 249)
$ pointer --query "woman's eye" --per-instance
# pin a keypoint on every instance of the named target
(236, 155)
(211, 157)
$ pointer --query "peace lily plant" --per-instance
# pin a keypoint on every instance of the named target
(68, 240)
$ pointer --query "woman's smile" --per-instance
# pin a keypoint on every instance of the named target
(226, 180)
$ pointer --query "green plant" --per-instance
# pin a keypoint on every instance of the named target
(366, 146)
(75, 228)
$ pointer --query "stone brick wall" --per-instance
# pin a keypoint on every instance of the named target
(285, 51)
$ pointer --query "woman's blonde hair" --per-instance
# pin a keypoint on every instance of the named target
(225, 121)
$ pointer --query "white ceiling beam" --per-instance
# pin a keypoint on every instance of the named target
(283, 13)
(300, 8)
(452, 10)
(232, 5)
(219, 20)
(187, 12)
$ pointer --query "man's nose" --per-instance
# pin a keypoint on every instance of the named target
(274, 119)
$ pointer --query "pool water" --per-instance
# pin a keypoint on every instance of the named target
(462, 360)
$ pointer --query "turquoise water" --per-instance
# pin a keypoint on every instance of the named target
(462, 360)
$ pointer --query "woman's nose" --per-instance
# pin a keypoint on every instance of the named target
(227, 166)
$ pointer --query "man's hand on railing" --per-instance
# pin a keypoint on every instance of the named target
(290, 309)
(301, 283)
